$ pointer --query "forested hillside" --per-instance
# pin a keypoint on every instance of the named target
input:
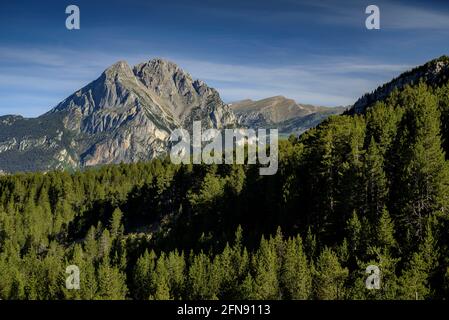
(359, 190)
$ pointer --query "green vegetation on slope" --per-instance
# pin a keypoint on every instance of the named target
(358, 190)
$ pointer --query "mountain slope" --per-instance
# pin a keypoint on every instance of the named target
(433, 73)
(34, 144)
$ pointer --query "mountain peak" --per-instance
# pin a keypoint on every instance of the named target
(119, 68)
(159, 65)
(173, 85)
(162, 62)
(279, 97)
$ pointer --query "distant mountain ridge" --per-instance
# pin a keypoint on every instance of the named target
(285, 114)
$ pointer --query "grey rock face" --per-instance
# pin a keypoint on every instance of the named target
(186, 99)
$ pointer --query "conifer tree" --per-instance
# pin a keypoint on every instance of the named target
(295, 273)
(329, 278)
(246, 288)
(90, 244)
(421, 189)
(375, 182)
(266, 282)
(116, 227)
(443, 106)
(161, 290)
(142, 281)
(414, 282)
(310, 245)
(385, 231)
(354, 232)
(176, 268)
(201, 283)
(111, 282)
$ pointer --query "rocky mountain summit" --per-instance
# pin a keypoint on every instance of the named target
(126, 115)
(187, 100)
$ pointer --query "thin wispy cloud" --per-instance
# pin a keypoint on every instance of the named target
(395, 15)
(405, 16)
(58, 73)
(334, 84)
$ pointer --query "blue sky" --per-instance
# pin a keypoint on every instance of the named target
(316, 52)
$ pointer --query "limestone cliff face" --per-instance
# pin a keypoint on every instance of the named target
(187, 99)
(126, 115)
